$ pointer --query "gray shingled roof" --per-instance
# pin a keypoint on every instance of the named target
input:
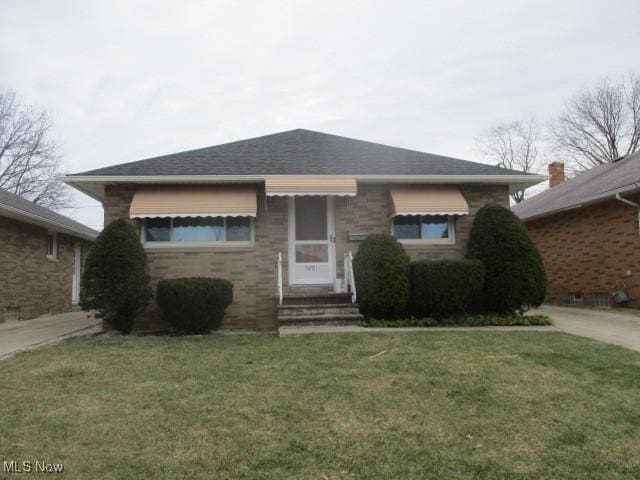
(30, 212)
(599, 183)
(300, 152)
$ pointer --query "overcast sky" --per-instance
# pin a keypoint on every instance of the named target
(129, 80)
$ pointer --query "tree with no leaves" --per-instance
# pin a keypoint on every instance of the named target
(600, 124)
(514, 146)
(29, 161)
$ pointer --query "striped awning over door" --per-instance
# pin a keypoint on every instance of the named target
(293, 185)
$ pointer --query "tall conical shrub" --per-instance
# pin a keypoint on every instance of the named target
(515, 279)
(115, 281)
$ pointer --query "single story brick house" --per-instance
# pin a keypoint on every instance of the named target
(41, 259)
(278, 215)
(587, 230)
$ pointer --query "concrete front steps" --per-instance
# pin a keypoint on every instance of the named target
(318, 309)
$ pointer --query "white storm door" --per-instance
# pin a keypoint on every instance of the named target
(77, 271)
(311, 240)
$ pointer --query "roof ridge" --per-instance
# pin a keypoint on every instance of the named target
(191, 150)
(315, 138)
(567, 184)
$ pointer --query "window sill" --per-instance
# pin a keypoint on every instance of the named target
(51, 258)
(427, 243)
(198, 247)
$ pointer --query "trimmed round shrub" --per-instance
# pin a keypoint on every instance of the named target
(445, 287)
(515, 279)
(115, 281)
(381, 269)
(194, 305)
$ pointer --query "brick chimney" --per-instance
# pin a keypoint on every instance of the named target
(556, 174)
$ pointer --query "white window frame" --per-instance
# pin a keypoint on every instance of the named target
(450, 240)
(54, 255)
(173, 243)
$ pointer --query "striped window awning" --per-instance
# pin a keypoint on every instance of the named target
(310, 185)
(194, 201)
(428, 200)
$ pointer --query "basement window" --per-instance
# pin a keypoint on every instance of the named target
(601, 300)
(11, 314)
(576, 299)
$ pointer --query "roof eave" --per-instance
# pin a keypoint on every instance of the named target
(600, 197)
(34, 219)
(92, 184)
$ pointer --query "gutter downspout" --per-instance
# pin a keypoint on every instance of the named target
(632, 204)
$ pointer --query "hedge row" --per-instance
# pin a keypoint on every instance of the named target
(503, 274)
(446, 287)
(194, 305)
(390, 286)
(470, 320)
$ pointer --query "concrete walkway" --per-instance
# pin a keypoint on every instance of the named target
(610, 326)
(26, 334)
(606, 325)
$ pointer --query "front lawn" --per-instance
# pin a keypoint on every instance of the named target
(436, 405)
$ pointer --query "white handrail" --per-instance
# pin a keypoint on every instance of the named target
(279, 285)
(349, 277)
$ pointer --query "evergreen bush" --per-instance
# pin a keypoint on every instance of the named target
(115, 281)
(381, 269)
(445, 287)
(515, 279)
(194, 305)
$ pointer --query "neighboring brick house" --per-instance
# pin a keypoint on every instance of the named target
(229, 211)
(41, 255)
(587, 231)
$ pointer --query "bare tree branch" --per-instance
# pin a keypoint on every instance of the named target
(514, 146)
(599, 125)
(29, 162)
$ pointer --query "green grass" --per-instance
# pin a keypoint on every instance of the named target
(440, 405)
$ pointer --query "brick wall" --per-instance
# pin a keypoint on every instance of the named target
(590, 250)
(369, 212)
(29, 280)
(253, 269)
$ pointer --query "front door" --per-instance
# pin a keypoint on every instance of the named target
(77, 271)
(311, 240)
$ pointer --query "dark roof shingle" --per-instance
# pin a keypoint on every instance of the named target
(21, 205)
(602, 181)
(300, 152)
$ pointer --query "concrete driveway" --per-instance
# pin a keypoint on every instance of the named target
(22, 335)
(610, 326)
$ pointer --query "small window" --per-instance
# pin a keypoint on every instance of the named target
(12, 314)
(576, 298)
(428, 228)
(197, 230)
(601, 300)
(52, 246)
